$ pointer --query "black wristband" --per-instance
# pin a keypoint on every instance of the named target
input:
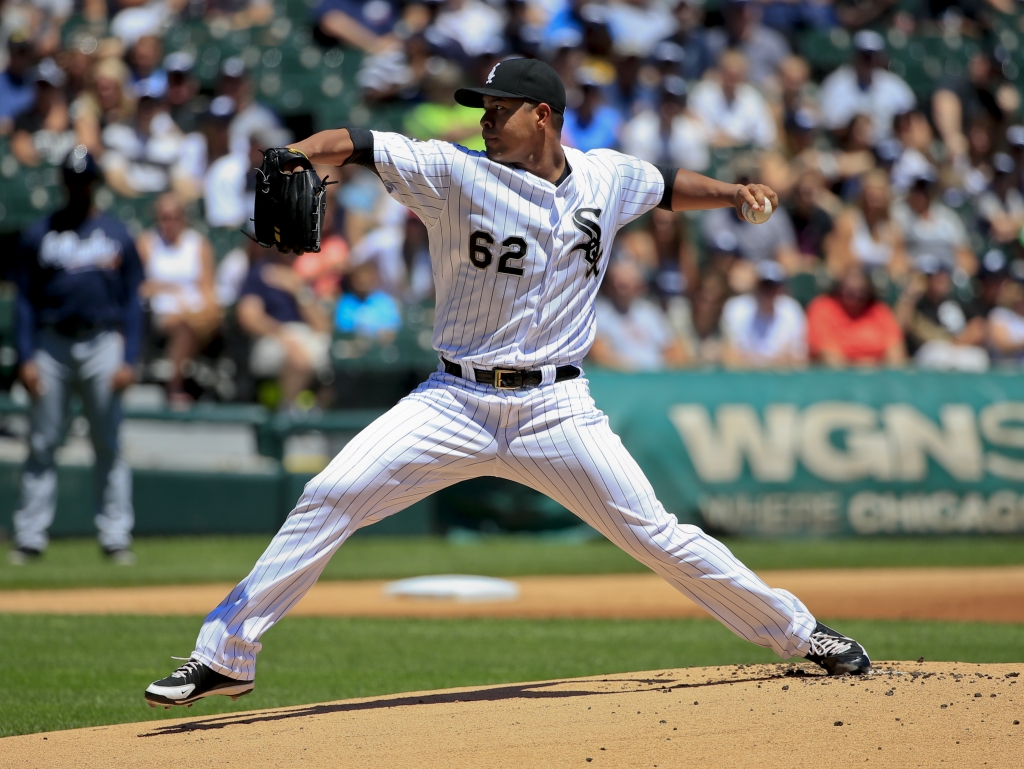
(668, 173)
(362, 148)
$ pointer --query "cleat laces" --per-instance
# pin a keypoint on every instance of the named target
(825, 645)
(192, 666)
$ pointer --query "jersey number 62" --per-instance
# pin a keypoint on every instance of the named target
(481, 255)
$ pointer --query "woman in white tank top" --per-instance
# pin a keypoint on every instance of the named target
(179, 267)
(865, 235)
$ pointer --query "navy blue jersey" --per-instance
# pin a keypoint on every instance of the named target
(78, 280)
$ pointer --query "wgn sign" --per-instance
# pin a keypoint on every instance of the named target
(829, 453)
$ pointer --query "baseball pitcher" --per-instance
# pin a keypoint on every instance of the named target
(519, 239)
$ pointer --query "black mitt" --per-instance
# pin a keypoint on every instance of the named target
(289, 208)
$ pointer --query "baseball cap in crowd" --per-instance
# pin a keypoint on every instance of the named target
(667, 52)
(868, 41)
(724, 243)
(48, 72)
(670, 282)
(804, 120)
(233, 66)
(151, 88)
(567, 37)
(223, 108)
(79, 166)
(1016, 271)
(593, 13)
(674, 86)
(1015, 136)
(930, 264)
(529, 79)
(889, 151)
(1003, 163)
(992, 263)
(769, 271)
(132, 24)
(19, 40)
(493, 45)
(179, 61)
(589, 77)
(83, 42)
(924, 174)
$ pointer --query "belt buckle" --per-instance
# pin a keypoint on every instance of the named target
(499, 381)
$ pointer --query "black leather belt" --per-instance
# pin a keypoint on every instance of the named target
(511, 379)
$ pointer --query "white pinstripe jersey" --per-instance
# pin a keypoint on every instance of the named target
(517, 261)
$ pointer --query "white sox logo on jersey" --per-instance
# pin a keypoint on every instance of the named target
(505, 244)
(591, 248)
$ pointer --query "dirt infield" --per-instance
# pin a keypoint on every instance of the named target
(906, 715)
(965, 594)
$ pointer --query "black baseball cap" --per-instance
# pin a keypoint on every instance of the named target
(80, 167)
(529, 79)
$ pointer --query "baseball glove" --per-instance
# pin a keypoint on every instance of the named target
(289, 208)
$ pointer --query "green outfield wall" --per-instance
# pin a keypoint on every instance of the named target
(812, 453)
(828, 452)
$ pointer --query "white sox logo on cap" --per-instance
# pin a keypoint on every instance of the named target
(529, 79)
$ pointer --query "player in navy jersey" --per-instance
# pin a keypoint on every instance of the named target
(78, 329)
(519, 242)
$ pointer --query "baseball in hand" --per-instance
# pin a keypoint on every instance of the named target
(757, 217)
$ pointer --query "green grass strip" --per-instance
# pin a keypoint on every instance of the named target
(62, 672)
(191, 560)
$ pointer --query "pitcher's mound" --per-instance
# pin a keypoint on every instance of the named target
(907, 714)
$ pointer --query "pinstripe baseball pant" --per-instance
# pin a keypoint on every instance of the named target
(551, 438)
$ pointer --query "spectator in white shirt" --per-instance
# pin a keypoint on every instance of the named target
(865, 87)
(250, 115)
(671, 134)
(765, 328)
(931, 227)
(733, 109)
(1006, 324)
(146, 155)
(633, 333)
(639, 25)
(472, 24)
(1001, 207)
(224, 181)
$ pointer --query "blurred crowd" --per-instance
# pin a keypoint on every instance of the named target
(898, 241)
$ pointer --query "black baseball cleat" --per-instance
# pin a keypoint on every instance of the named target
(836, 653)
(191, 682)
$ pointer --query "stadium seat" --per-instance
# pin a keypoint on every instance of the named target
(804, 286)
(824, 49)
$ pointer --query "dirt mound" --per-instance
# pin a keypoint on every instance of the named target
(907, 714)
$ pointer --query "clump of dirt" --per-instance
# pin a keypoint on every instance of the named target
(904, 714)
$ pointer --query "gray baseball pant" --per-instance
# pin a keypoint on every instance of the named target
(85, 366)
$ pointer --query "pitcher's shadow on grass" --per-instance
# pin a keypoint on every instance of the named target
(495, 694)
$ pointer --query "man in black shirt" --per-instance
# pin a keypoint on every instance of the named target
(943, 331)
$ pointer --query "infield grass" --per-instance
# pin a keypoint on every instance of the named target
(192, 560)
(62, 672)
